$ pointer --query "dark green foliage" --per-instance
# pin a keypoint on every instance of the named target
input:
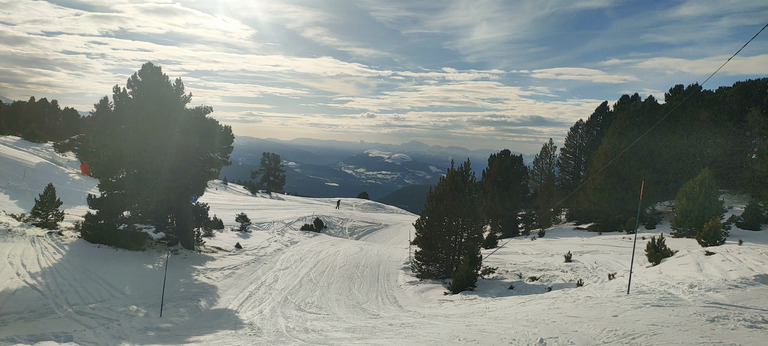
(656, 250)
(504, 188)
(568, 257)
(541, 233)
(96, 231)
(46, 213)
(741, 242)
(216, 223)
(202, 223)
(20, 217)
(725, 130)
(464, 278)
(712, 233)
(491, 241)
(244, 222)
(651, 218)
(542, 185)
(572, 161)
(363, 195)
(271, 173)
(39, 120)
(488, 271)
(629, 226)
(449, 231)
(697, 202)
(318, 224)
(752, 217)
(151, 155)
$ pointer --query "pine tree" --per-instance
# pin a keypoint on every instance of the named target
(542, 184)
(711, 234)
(449, 231)
(572, 161)
(244, 222)
(656, 250)
(697, 202)
(504, 188)
(272, 173)
(46, 213)
(151, 155)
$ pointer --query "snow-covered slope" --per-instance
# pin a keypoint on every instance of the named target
(351, 284)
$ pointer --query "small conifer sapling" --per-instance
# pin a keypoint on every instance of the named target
(46, 213)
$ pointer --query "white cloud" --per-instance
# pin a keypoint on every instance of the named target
(581, 74)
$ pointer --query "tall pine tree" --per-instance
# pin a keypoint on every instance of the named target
(542, 184)
(449, 230)
(272, 173)
(504, 188)
(151, 154)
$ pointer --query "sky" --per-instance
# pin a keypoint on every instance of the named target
(480, 74)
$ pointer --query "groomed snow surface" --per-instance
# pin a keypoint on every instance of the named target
(352, 284)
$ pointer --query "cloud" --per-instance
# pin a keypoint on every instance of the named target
(739, 65)
(581, 74)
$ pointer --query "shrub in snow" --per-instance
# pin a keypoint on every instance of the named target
(533, 278)
(580, 283)
(652, 218)
(752, 217)
(696, 203)
(244, 222)
(316, 226)
(319, 224)
(611, 276)
(741, 242)
(511, 287)
(363, 195)
(491, 241)
(708, 253)
(238, 246)
(657, 249)
(46, 213)
(541, 233)
(129, 238)
(568, 257)
(712, 234)
(21, 217)
(629, 226)
(488, 271)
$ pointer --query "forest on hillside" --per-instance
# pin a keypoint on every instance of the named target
(594, 177)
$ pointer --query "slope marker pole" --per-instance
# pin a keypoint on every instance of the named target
(637, 224)
(162, 297)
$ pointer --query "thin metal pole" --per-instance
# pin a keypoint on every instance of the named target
(637, 224)
(162, 298)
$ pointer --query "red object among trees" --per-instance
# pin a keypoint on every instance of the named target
(85, 169)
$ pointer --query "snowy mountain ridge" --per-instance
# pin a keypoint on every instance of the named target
(352, 284)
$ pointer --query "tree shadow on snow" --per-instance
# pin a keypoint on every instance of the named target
(74, 291)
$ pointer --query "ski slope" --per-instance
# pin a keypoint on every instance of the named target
(352, 284)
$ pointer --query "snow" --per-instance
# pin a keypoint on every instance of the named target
(352, 284)
(395, 158)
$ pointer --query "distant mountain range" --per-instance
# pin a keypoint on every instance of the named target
(6, 100)
(323, 168)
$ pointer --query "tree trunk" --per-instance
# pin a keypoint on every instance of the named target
(184, 229)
